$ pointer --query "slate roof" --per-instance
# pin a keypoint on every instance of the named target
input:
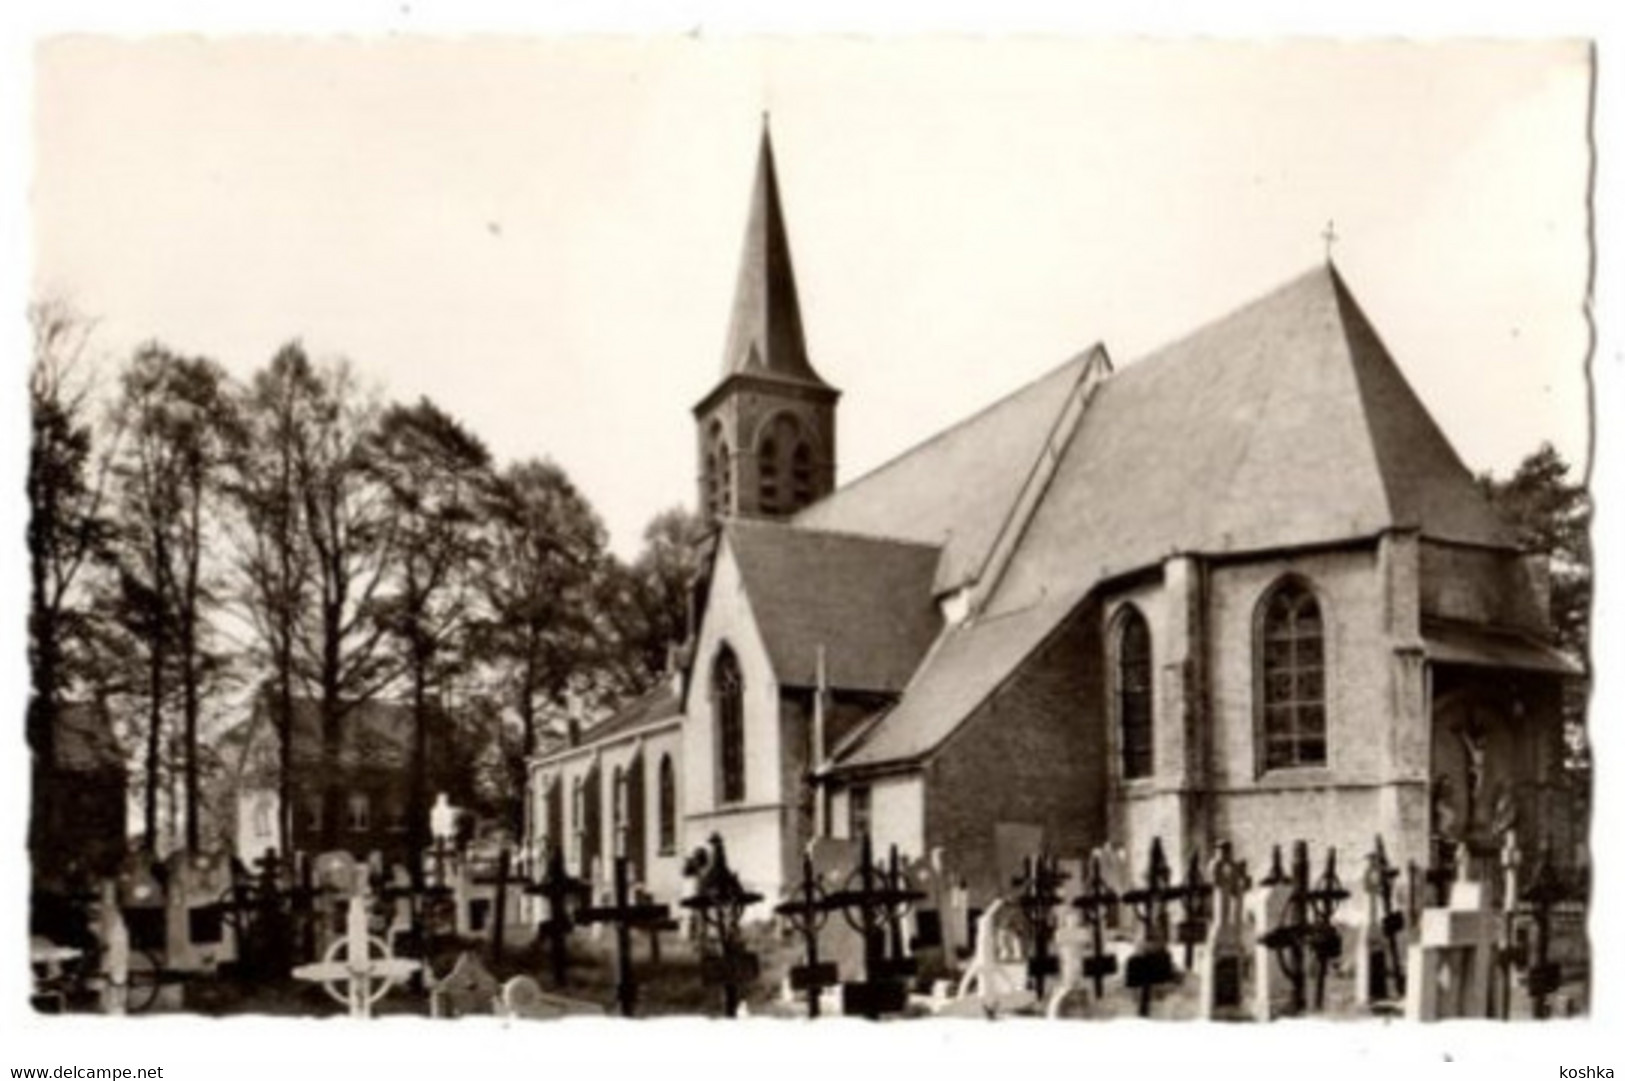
(374, 733)
(765, 336)
(956, 489)
(1283, 424)
(866, 600)
(659, 703)
(1483, 647)
(970, 662)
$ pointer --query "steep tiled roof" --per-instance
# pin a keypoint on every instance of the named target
(967, 665)
(866, 601)
(1283, 424)
(659, 703)
(374, 733)
(765, 337)
(956, 489)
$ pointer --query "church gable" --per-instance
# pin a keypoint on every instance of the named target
(957, 489)
(1284, 424)
(865, 603)
(730, 657)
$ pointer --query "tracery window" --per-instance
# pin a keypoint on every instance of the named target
(727, 689)
(668, 806)
(1134, 704)
(1291, 662)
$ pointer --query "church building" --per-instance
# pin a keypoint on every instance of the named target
(1239, 589)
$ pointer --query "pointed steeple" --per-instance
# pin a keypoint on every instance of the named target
(767, 429)
(764, 335)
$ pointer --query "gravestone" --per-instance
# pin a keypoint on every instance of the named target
(523, 998)
(467, 990)
(1223, 960)
(1265, 909)
(1451, 963)
(335, 876)
(995, 981)
(926, 924)
(1117, 876)
(196, 936)
(141, 896)
(114, 937)
(835, 864)
(1074, 944)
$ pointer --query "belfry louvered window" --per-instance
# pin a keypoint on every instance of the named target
(1292, 678)
(1133, 675)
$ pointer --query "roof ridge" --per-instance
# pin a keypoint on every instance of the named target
(941, 434)
(1162, 350)
(793, 527)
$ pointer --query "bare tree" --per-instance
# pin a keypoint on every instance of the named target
(272, 549)
(176, 412)
(349, 525)
(68, 530)
(435, 475)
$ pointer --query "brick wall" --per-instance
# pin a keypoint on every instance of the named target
(1031, 754)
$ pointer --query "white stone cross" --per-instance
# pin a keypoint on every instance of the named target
(1226, 945)
(1452, 960)
(359, 969)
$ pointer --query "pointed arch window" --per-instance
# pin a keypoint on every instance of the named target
(1291, 663)
(1133, 694)
(668, 806)
(728, 698)
(555, 814)
(617, 810)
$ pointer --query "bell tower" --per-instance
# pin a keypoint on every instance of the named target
(766, 432)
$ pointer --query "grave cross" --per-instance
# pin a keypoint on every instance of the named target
(1379, 950)
(1097, 903)
(1221, 963)
(560, 890)
(1544, 891)
(719, 901)
(1040, 883)
(626, 915)
(1306, 929)
(1196, 899)
(1150, 965)
(874, 906)
(806, 914)
(359, 969)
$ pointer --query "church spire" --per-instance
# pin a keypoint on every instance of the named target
(764, 335)
(767, 429)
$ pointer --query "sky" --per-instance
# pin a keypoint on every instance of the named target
(542, 235)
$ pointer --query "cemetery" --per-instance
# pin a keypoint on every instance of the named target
(1209, 685)
(860, 934)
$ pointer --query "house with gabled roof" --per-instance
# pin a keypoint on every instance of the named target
(1241, 589)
